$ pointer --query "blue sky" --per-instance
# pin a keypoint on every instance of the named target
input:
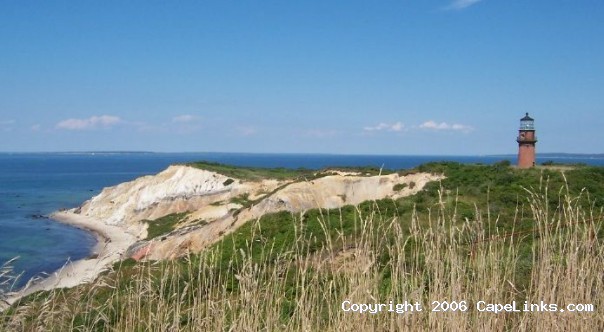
(378, 77)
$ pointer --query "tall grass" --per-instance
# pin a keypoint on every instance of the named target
(8, 279)
(439, 257)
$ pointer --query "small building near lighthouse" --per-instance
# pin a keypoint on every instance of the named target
(526, 142)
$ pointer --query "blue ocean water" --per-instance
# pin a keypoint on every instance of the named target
(35, 184)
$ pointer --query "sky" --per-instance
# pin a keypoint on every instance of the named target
(406, 77)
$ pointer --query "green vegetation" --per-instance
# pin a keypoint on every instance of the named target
(500, 191)
(164, 225)
(364, 170)
(492, 233)
(253, 173)
(399, 186)
(243, 200)
(300, 174)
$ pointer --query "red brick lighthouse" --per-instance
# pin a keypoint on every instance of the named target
(526, 142)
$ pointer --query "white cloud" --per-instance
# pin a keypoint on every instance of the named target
(432, 125)
(185, 118)
(36, 127)
(398, 126)
(461, 4)
(103, 121)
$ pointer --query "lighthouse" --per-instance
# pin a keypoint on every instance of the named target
(526, 142)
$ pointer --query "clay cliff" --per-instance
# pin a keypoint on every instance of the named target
(212, 204)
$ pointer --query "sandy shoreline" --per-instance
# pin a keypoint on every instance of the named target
(112, 243)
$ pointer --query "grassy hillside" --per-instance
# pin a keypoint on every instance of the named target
(252, 173)
(485, 233)
(261, 173)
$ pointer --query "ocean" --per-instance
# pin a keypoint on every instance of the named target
(32, 185)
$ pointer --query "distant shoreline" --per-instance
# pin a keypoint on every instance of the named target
(506, 155)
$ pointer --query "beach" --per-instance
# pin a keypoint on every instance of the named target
(112, 243)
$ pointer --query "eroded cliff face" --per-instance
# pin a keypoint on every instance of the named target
(177, 189)
(217, 204)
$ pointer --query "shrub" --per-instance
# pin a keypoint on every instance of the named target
(399, 186)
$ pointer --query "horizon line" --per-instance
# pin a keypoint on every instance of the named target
(285, 153)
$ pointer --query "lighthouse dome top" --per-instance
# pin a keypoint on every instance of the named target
(527, 118)
(527, 123)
